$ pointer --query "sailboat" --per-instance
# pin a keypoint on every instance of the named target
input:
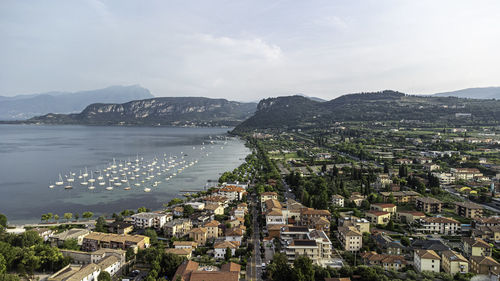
(110, 187)
(91, 180)
(86, 174)
(71, 178)
(51, 186)
(60, 182)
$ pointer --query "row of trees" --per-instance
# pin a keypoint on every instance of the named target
(67, 216)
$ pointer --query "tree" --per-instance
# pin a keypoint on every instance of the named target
(405, 241)
(151, 233)
(390, 225)
(56, 217)
(68, 216)
(188, 210)
(3, 264)
(87, 215)
(303, 269)
(27, 239)
(130, 254)
(71, 244)
(49, 216)
(100, 224)
(104, 276)
(3, 220)
(169, 264)
(142, 210)
(279, 270)
(77, 216)
(229, 254)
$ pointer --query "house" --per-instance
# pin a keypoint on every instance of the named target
(468, 210)
(178, 227)
(338, 279)
(484, 265)
(361, 224)
(453, 263)
(378, 217)
(212, 229)
(404, 161)
(488, 233)
(476, 247)
(185, 245)
(75, 233)
(178, 211)
(466, 174)
(386, 207)
(80, 257)
(97, 240)
(120, 227)
(231, 192)
(196, 205)
(216, 199)
(400, 196)
(234, 235)
(338, 200)
(357, 199)
(319, 219)
(388, 262)
(388, 245)
(44, 233)
(426, 260)
(264, 196)
(430, 167)
(270, 204)
(409, 216)
(192, 271)
(215, 209)
(435, 245)
(488, 221)
(199, 235)
(289, 233)
(350, 238)
(220, 248)
(274, 216)
(316, 246)
(182, 252)
(383, 180)
(89, 272)
(428, 205)
(149, 220)
(440, 225)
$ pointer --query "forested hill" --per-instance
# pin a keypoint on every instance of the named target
(175, 111)
(297, 111)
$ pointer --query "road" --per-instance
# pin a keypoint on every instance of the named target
(255, 272)
(452, 191)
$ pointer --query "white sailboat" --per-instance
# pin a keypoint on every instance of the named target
(91, 180)
(60, 182)
(86, 173)
(110, 187)
(71, 178)
(147, 189)
(51, 186)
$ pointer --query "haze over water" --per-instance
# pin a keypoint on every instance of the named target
(33, 156)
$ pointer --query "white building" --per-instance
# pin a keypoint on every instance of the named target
(338, 200)
(440, 225)
(149, 220)
(196, 205)
(220, 249)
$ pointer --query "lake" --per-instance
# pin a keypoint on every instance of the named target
(32, 157)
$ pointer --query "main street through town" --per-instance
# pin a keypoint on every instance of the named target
(254, 267)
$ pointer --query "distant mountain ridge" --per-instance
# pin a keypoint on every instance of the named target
(473, 93)
(299, 112)
(167, 111)
(23, 107)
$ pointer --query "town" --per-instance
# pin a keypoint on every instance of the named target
(359, 201)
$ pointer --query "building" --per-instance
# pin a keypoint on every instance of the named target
(409, 216)
(97, 240)
(214, 208)
(178, 227)
(44, 233)
(385, 207)
(231, 192)
(178, 211)
(199, 235)
(440, 225)
(430, 167)
(468, 210)
(264, 196)
(488, 233)
(466, 174)
(387, 262)
(290, 233)
(489, 221)
(119, 227)
(378, 217)
(484, 265)
(453, 263)
(476, 247)
(388, 245)
(182, 252)
(75, 233)
(426, 260)
(220, 248)
(338, 200)
(149, 220)
(192, 271)
(212, 229)
(400, 196)
(196, 205)
(361, 224)
(350, 238)
(316, 246)
(313, 218)
(88, 272)
(428, 205)
(274, 216)
(80, 257)
(185, 245)
(357, 199)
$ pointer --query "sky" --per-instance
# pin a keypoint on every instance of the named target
(248, 50)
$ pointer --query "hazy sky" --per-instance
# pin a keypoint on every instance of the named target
(246, 50)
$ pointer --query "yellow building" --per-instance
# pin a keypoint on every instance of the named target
(199, 235)
(386, 207)
(474, 247)
(378, 217)
(426, 260)
(453, 262)
(212, 229)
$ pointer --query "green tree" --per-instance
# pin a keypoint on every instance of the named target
(100, 225)
(169, 264)
(71, 244)
(229, 254)
(3, 264)
(77, 216)
(153, 236)
(56, 217)
(27, 239)
(130, 254)
(87, 215)
(49, 216)
(104, 276)
(279, 270)
(303, 269)
(3, 220)
(188, 210)
(405, 241)
(68, 216)
(142, 210)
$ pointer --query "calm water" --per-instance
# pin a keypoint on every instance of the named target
(31, 158)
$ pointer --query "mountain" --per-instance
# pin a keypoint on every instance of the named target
(22, 107)
(312, 98)
(474, 93)
(300, 112)
(169, 111)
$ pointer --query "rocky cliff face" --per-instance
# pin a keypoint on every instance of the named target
(162, 111)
